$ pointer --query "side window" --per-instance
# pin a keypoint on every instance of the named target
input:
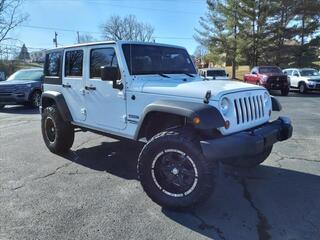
(53, 63)
(295, 73)
(289, 72)
(101, 57)
(73, 63)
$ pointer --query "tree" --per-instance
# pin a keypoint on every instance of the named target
(307, 23)
(127, 28)
(85, 38)
(220, 29)
(24, 54)
(9, 17)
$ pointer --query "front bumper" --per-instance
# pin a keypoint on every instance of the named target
(276, 85)
(249, 143)
(313, 86)
(13, 98)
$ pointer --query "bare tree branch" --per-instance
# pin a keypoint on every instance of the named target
(10, 17)
(127, 28)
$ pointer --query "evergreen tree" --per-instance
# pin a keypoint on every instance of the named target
(307, 22)
(220, 29)
(24, 54)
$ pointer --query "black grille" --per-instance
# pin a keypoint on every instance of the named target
(249, 108)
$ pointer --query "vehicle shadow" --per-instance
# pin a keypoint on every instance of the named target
(19, 109)
(263, 203)
(118, 158)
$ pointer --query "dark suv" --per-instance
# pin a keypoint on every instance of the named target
(22, 87)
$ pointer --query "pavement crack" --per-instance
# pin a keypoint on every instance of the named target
(54, 172)
(204, 225)
(16, 188)
(262, 226)
(281, 158)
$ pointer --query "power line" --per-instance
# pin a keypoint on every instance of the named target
(90, 32)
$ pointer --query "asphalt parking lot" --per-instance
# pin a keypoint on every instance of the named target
(93, 192)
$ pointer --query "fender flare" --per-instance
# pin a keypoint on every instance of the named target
(276, 106)
(60, 103)
(210, 117)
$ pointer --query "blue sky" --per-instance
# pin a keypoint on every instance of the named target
(174, 20)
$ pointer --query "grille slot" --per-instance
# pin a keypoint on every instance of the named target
(249, 108)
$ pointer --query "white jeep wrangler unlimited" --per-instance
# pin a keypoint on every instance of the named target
(151, 93)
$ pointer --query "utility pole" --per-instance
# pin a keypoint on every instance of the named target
(55, 40)
(78, 34)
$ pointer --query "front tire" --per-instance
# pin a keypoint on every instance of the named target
(302, 88)
(173, 171)
(285, 91)
(35, 99)
(57, 134)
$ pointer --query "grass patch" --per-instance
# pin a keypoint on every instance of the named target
(240, 72)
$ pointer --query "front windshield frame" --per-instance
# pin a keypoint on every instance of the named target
(266, 70)
(309, 73)
(159, 58)
(24, 75)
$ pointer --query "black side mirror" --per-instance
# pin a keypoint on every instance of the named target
(227, 74)
(296, 75)
(254, 73)
(111, 74)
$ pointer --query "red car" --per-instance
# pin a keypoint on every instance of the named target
(271, 77)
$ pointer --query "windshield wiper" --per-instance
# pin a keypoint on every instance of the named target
(163, 75)
(188, 74)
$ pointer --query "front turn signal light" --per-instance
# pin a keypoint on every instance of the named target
(196, 121)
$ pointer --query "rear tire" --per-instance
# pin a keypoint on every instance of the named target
(57, 134)
(173, 171)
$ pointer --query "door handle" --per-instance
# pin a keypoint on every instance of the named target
(90, 88)
(66, 85)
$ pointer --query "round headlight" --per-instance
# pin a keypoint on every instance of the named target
(224, 105)
(266, 97)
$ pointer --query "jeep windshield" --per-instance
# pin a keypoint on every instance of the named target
(152, 59)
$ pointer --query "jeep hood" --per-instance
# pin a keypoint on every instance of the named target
(196, 89)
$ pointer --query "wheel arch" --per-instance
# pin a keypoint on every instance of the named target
(210, 117)
(50, 98)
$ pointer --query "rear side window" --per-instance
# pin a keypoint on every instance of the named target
(73, 63)
(101, 57)
(53, 64)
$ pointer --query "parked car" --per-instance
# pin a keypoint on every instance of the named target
(22, 87)
(151, 93)
(305, 79)
(213, 74)
(270, 77)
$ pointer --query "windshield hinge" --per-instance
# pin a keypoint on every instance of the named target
(207, 97)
